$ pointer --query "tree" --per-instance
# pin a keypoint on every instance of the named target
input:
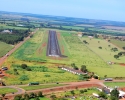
(17, 97)
(40, 94)
(24, 66)
(81, 91)
(114, 94)
(103, 95)
(53, 97)
(72, 92)
(37, 98)
(116, 56)
(83, 68)
(123, 48)
(120, 54)
(24, 78)
(3, 95)
(100, 47)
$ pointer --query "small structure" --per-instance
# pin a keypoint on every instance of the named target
(96, 95)
(78, 72)
(91, 37)
(80, 34)
(6, 31)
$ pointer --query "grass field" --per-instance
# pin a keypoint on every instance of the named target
(107, 55)
(7, 90)
(4, 26)
(27, 88)
(33, 53)
(84, 96)
(118, 43)
(113, 84)
(4, 48)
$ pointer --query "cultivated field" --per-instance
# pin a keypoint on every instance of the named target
(4, 48)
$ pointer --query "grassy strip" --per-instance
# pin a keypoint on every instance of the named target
(4, 48)
(7, 90)
(35, 87)
(113, 84)
(42, 99)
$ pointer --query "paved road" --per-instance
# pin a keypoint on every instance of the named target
(2, 60)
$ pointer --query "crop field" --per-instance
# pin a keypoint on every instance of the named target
(118, 43)
(114, 84)
(4, 48)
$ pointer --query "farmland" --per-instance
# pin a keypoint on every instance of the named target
(4, 48)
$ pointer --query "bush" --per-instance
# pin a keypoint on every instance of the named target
(24, 66)
(24, 78)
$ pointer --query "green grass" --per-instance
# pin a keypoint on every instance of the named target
(106, 55)
(73, 27)
(27, 88)
(4, 26)
(118, 43)
(113, 84)
(86, 95)
(7, 90)
(4, 48)
(41, 98)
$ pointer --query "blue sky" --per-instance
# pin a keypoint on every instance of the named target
(93, 9)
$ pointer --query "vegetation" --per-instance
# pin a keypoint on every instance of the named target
(27, 88)
(115, 84)
(7, 90)
(4, 48)
(14, 37)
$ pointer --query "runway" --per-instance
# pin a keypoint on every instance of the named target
(53, 48)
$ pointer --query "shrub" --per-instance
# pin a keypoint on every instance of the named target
(24, 66)
(24, 78)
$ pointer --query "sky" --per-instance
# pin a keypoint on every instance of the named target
(92, 9)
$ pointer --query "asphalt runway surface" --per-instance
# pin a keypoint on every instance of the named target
(53, 48)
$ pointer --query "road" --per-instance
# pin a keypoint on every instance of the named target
(2, 60)
(69, 86)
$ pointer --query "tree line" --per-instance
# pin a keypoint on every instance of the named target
(14, 37)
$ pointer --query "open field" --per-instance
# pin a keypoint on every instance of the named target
(28, 88)
(118, 43)
(7, 90)
(87, 95)
(33, 53)
(113, 84)
(105, 53)
(4, 26)
(4, 48)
